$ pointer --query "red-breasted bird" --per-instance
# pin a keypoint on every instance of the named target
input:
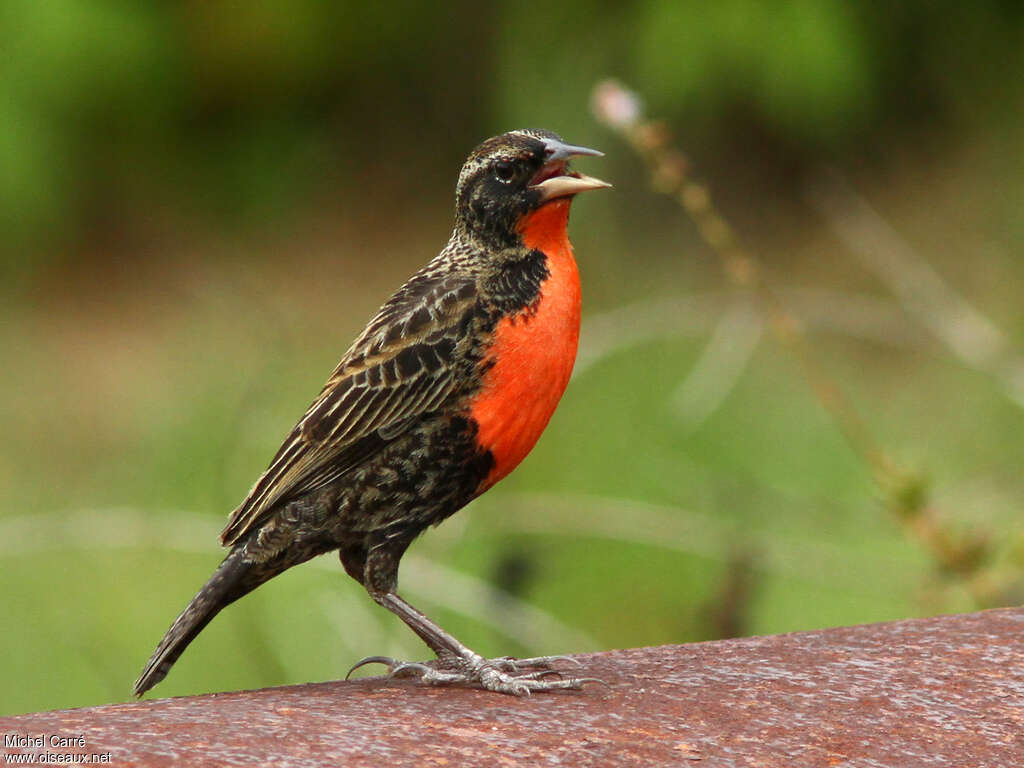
(442, 395)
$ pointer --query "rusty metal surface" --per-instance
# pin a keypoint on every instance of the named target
(934, 692)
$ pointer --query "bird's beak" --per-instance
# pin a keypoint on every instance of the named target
(555, 179)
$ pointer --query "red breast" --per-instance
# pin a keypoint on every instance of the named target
(532, 352)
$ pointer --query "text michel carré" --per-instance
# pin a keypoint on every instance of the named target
(24, 741)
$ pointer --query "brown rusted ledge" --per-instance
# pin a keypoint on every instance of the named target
(946, 691)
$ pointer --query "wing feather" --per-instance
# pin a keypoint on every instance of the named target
(402, 367)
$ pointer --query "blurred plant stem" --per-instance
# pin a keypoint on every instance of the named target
(965, 556)
(727, 612)
(190, 533)
(960, 326)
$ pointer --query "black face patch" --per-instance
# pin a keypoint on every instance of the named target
(494, 186)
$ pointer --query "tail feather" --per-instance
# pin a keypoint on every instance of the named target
(232, 579)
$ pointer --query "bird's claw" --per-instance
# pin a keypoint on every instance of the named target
(387, 661)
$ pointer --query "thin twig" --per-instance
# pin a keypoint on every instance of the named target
(620, 109)
(719, 367)
(129, 528)
(870, 318)
(958, 324)
(904, 492)
(692, 533)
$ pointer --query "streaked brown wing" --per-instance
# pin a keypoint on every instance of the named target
(404, 365)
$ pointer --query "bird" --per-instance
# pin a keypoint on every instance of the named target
(442, 395)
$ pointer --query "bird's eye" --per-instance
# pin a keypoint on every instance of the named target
(504, 171)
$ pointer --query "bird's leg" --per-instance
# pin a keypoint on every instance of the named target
(460, 665)
(447, 647)
(442, 643)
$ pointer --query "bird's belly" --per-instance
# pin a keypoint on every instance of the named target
(531, 359)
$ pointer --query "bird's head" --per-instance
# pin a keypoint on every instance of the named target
(511, 176)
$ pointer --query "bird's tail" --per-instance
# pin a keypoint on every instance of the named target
(235, 577)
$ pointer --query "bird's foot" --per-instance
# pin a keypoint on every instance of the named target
(503, 675)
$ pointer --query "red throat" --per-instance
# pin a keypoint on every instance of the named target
(546, 229)
(533, 352)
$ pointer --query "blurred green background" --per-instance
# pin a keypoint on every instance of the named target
(202, 202)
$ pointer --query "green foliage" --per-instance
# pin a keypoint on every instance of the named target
(232, 109)
(803, 65)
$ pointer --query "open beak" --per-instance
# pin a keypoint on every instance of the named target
(555, 179)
